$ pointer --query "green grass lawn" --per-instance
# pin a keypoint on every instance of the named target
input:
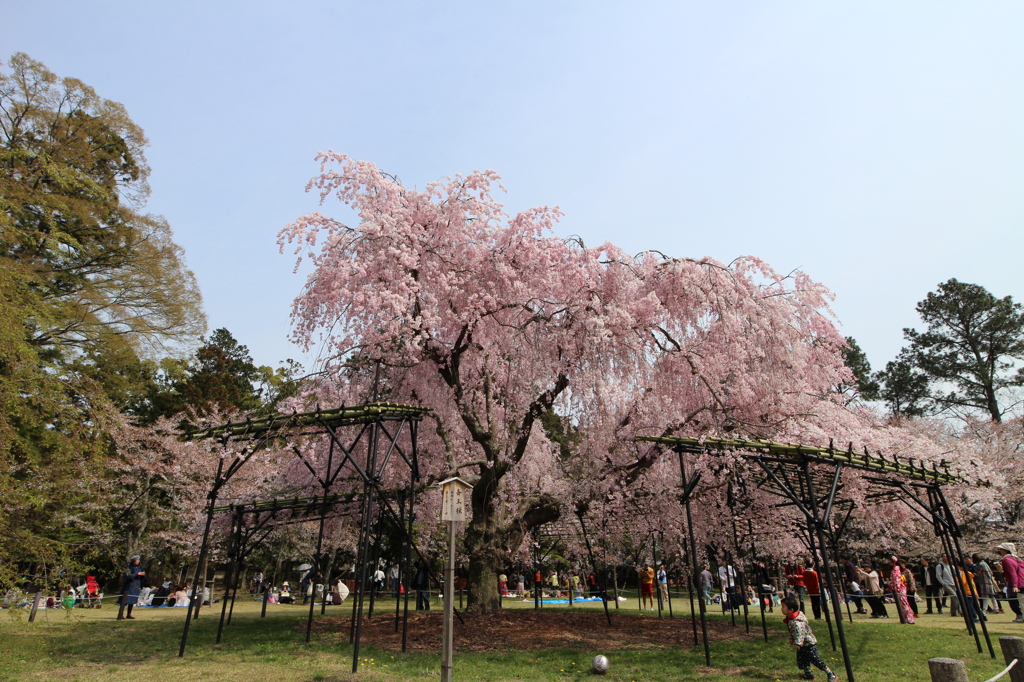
(91, 644)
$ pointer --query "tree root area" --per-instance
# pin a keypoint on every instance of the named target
(522, 630)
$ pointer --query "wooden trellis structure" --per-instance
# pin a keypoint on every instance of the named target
(809, 478)
(362, 439)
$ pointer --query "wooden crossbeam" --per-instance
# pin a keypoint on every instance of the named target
(340, 416)
(797, 451)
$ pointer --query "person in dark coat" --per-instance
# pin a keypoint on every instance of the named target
(132, 584)
(421, 583)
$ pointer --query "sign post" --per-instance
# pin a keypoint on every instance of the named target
(453, 510)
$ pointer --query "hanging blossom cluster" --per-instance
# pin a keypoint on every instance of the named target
(493, 322)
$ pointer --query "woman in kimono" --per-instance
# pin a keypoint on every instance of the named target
(899, 591)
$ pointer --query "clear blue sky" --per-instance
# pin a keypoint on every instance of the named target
(878, 146)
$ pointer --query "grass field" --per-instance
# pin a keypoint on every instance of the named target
(86, 644)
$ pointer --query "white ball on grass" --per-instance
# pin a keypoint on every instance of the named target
(600, 665)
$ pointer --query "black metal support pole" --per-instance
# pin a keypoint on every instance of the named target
(819, 527)
(401, 573)
(693, 553)
(212, 497)
(234, 591)
(761, 594)
(318, 565)
(821, 602)
(593, 565)
(954, 534)
(742, 574)
(536, 570)
(407, 577)
(947, 549)
(654, 560)
(236, 527)
(693, 608)
(371, 468)
(668, 583)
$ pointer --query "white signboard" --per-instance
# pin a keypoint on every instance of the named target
(453, 499)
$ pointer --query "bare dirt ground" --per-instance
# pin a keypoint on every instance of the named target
(523, 630)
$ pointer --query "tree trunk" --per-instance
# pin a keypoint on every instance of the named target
(490, 541)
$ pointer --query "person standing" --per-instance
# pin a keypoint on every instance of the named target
(813, 587)
(899, 591)
(663, 585)
(727, 580)
(132, 584)
(969, 589)
(395, 575)
(870, 579)
(705, 584)
(764, 582)
(931, 586)
(986, 583)
(421, 583)
(646, 587)
(852, 586)
(796, 580)
(1011, 575)
(911, 581)
(944, 574)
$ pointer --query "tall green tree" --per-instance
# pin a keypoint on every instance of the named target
(969, 347)
(73, 182)
(865, 384)
(904, 388)
(220, 377)
(89, 287)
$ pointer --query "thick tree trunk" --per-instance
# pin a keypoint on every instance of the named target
(490, 540)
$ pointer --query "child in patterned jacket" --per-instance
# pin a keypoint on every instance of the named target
(801, 636)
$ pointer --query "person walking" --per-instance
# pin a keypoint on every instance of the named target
(1011, 576)
(899, 591)
(132, 584)
(944, 574)
(802, 637)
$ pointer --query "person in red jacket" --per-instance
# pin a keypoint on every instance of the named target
(813, 587)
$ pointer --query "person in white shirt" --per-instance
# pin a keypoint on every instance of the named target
(727, 579)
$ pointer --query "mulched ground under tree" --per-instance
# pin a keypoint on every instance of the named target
(522, 630)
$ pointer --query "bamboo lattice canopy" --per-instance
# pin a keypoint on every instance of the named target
(340, 416)
(796, 451)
